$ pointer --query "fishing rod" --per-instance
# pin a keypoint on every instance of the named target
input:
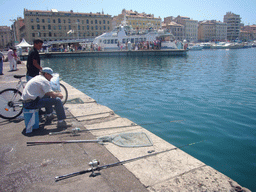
(77, 130)
(95, 164)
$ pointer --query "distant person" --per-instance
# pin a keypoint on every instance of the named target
(33, 61)
(1, 63)
(11, 59)
(38, 94)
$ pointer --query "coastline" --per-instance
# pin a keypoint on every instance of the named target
(174, 170)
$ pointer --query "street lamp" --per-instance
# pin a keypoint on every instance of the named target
(14, 20)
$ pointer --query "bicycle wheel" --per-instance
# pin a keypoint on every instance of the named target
(64, 92)
(10, 103)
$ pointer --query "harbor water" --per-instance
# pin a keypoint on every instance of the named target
(208, 95)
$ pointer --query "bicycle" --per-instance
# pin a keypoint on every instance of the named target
(10, 99)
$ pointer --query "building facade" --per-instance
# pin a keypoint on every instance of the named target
(5, 37)
(176, 29)
(57, 25)
(137, 20)
(233, 25)
(190, 27)
(248, 33)
(212, 30)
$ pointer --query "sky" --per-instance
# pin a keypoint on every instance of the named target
(195, 9)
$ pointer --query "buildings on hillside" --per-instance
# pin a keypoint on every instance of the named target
(57, 25)
(137, 20)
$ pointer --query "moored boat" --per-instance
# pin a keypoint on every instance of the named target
(125, 37)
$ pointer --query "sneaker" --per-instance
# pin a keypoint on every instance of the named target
(63, 124)
(48, 119)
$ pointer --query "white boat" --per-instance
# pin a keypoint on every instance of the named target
(124, 37)
(195, 47)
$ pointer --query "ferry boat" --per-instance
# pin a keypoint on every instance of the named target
(125, 37)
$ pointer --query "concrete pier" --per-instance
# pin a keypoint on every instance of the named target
(33, 168)
(167, 52)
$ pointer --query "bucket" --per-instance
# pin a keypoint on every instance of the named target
(31, 117)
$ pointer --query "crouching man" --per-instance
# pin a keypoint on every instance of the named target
(38, 94)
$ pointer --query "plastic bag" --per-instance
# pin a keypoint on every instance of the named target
(55, 82)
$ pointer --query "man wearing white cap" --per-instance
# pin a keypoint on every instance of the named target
(38, 93)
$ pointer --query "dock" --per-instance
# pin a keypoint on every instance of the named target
(164, 52)
(33, 168)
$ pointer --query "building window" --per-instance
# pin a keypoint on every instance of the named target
(87, 27)
(32, 27)
(33, 34)
(37, 20)
(59, 21)
(96, 27)
(53, 20)
(104, 27)
(50, 34)
(49, 21)
(69, 27)
(108, 22)
(59, 27)
(87, 21)
(96, 22)
(68, 20)
(103, 21)
(64, 21)
(91, 21)
(92, 28)
(42, 20)
(78, 21)
(78, 27)
(31, 20)
(49, 27)
(99, 22)
(38, 26)
(43, 27)
(54, 27)
(39, 34)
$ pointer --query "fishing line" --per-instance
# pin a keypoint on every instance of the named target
(75, 131)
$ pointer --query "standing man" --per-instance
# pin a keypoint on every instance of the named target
(33, 61)
(38, 93)
(1, 63)
(11, 59)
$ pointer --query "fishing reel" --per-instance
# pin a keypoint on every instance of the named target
(75, 131)
(94, 164)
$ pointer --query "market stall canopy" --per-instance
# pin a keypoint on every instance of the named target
(24, 43)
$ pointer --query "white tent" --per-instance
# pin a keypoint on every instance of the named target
(24, 44)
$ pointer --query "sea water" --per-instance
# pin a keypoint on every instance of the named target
(208, 95)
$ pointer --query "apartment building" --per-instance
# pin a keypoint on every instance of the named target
(176, 29)
(190, 27)
(5, 37)
(248, 33)
(233, 25)
(16, 26)
(137, 20)
(57, 25)
(212, 30)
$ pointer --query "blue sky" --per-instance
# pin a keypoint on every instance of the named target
(195, 9)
